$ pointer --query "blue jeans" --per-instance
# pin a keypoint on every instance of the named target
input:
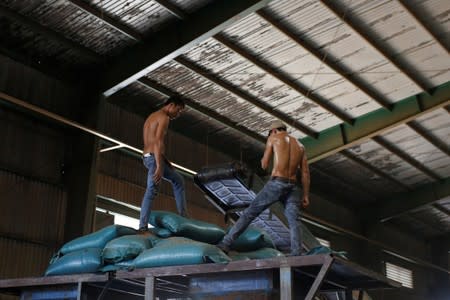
(274, 190)
(170, 175)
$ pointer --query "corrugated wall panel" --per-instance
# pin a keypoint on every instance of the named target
(122, 125)
(30, 147)
(31, 210)
(32, 86)
(22, 259)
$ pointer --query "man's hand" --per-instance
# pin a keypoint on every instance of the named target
(157, 175)
(305, 202)
(264, 164)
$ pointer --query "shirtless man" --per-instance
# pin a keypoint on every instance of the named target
(289, 161)
(155, 128)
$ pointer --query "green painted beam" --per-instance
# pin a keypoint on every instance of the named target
(174, 40)
(403, 203)
(340, 137)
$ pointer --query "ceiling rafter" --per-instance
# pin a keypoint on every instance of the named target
(348, 154)
(50, 34)
(324, 57)
(174, 40)
(403, 203)
(441, 208)
(247, 97)
(155, 86)
(107, 20)
(333, 6)
(173, 9)
(423, 24)
(420, 130)
(342, 182)
(430, 226)
(284, 78)
(407, 158)
(341, 137)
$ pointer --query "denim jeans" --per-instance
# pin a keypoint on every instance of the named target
(274, 190)
(170, 175)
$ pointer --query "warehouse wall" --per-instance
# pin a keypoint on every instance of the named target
(32, 198)
(34, 190)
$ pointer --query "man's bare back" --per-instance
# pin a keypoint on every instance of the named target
(289, 160)
(288, 155)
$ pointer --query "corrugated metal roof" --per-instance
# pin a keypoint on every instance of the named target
(400, 43)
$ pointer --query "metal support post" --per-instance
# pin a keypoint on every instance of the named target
(285, 283)
(149, 288)
(319, 279)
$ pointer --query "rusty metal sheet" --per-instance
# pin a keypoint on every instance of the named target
(315, 22)
(289, 58)
(438, 124)
(390, 163)
(210, 95)
(403, 34)
(420, 149)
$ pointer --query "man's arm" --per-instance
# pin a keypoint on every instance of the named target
(305, 180)
(163, 123)
(267, 154)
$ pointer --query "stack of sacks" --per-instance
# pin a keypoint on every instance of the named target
(253, 243)
(84, 254)
(174, 240)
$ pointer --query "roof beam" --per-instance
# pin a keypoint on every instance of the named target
(174, 40)
(247, 97)
(49, 34)
(407, 202)
(131, 34)
(423, 24)
(326, 59)
(174, 10)
(202, 109)
(344, 136)
(414, 125)
(284, 78)
(405, 157)
(339, 12)
(348, 154)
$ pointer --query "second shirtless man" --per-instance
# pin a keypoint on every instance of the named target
(155, 128)
(289, 161)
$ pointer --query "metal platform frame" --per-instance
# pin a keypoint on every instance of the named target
(300, 277)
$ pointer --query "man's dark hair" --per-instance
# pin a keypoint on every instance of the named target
(177, 100)
(284, 128)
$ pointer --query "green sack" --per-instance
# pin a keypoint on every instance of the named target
(262, 253)
(193, 229)
(96, 239)
(162, 232)
(125, 248)
(127, 265)
(176, 251)
(252, 239)
(80, 261)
